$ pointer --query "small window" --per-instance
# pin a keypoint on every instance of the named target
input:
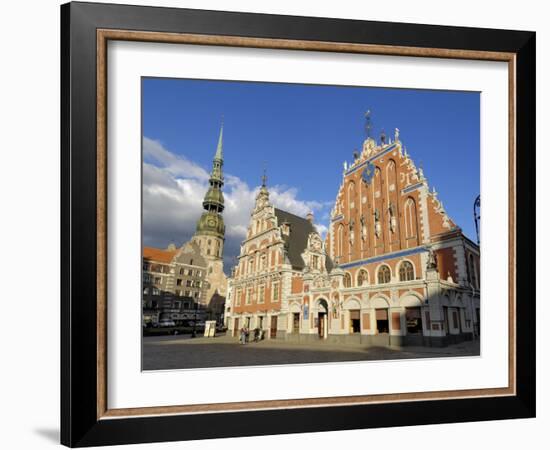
(191, 262)
(406, 271)
(384, 275)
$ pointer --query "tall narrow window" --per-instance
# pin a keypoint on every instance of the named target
(340, 251)
(238, 298)
(351, 196)
(406, 271)
(384, 275)
(411, 225)
(275, 292)
(347, 280)
(261, 294)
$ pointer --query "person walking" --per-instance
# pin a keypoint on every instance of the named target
(243, 335)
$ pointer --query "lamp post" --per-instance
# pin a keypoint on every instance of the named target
(477, 215)
(194, 332)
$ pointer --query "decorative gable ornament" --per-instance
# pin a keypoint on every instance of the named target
(368, 173)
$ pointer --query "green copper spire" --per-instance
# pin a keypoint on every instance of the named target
(219, 150)
(211, 221)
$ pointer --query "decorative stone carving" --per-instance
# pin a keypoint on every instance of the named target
(432, 260)
(363, 228)
(377, 225)
(393, 220)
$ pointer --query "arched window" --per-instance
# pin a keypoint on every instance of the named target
(411, 226)
(351, 196)
(362, 278)
(251, 265)
(384, 275)
(406, 271)
(340, 249)
(347, 280)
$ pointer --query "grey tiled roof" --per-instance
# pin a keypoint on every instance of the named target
(297, 242)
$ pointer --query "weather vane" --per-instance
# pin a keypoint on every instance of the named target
(264, 176)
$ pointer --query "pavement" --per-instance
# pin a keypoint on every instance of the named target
(183, 352)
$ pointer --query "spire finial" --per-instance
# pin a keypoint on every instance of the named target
(264, 176)
(219, 149)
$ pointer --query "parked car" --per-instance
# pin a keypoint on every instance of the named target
(165, 323)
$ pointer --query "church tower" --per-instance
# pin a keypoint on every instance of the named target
(210, 231)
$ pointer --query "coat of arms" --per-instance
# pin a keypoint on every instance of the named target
(368, 173)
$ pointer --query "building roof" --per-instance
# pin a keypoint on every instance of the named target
(299, 233)
(158, 255)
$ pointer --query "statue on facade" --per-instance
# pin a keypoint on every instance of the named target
(363, 228)
(432, 260)
(377, 225)
(393, 220)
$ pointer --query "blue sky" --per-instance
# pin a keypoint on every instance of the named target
(303, 134)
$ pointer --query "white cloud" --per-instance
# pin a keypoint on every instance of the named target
(174, 164)
(173, 189)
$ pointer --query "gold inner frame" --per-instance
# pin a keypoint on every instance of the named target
(104, 35)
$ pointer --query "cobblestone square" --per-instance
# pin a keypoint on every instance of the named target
(182, 352)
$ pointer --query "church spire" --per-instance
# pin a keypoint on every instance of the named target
(219, 150)
(211, 221)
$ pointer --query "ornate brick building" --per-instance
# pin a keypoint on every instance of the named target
(394, 268)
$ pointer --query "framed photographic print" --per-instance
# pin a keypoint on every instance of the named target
(273, 224)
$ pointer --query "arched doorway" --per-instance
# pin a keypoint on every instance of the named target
(322, 318)
(353, 316)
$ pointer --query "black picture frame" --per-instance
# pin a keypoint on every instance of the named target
(80, 425)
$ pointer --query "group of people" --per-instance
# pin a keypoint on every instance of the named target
(258, 335)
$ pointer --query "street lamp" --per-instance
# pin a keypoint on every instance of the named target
(477, 216)
(194, 332)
